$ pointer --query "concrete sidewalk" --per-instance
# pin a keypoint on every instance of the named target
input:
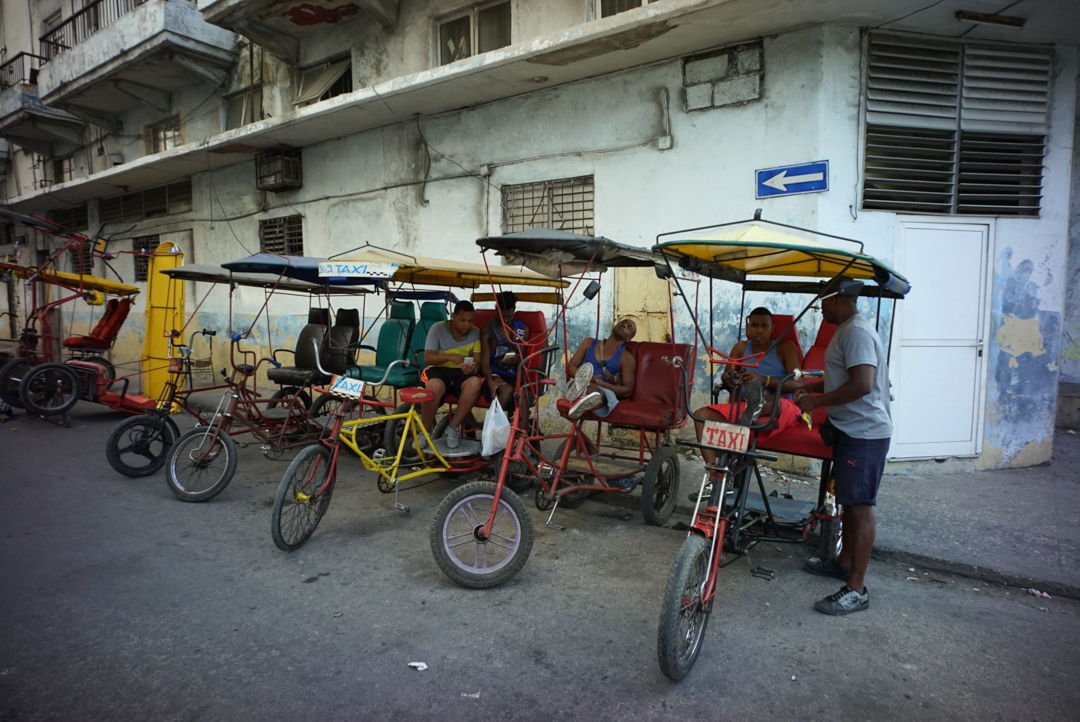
(1016, 526)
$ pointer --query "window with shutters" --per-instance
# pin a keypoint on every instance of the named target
(566, 205)
(154, 202)
(954, 127)
(74, 218)
(284, 236)
(143, 244)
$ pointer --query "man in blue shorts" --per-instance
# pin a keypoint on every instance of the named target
(856, 395)
(601, 373)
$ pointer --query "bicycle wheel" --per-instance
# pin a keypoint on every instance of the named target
(139, 445)
(660, 486)
(50, 389)
(302, 498)
(11, 376)
(683, 616)
(108, 371)
(392, 437)
(201, 466)
(481, 563)
(286, 392)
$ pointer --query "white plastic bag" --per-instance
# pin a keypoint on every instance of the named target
(496, 430)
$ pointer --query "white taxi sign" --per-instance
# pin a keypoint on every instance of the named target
(350, 269)
(344, 386)
(728, 437)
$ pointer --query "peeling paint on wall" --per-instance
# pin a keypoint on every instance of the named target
(1018, 336)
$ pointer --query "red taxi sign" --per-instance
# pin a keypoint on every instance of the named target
(728, 437)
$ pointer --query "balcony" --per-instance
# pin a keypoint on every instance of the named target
(24, 120)
(115, 54)
(280, 26)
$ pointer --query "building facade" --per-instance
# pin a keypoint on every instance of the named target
(230, 126)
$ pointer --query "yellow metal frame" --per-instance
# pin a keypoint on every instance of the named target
(387, 466)
(165, 307)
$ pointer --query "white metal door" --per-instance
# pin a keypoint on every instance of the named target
(938, 362)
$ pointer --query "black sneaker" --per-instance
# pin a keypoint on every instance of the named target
(706, 494)
(755, 401)
(830, 568)
(845, 601)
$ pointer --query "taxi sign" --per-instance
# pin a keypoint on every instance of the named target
(349, 269)
(344, 386)
(727, 437)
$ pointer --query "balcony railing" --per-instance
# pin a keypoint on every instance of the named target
(20, 69)
(80, 26)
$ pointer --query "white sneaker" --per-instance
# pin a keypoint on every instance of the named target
(580, 382)
(588, 402)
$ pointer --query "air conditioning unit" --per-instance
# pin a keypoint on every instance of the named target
(279, 169)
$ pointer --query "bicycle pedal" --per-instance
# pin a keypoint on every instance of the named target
(763, 573)
(553, 525)
(243, 444)
(401, 507)
(379, 453)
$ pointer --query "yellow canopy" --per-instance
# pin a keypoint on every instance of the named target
(755, 250)
(440, 272)
(73, 280)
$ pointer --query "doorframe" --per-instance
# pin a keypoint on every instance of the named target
(983, 371)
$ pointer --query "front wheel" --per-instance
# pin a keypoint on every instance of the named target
(302, 498)
(201, 464)
(683, 616)
(139, 445)
(50, 389)
(462, 554)
(660, 486)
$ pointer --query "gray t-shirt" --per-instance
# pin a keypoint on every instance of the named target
(856, 343)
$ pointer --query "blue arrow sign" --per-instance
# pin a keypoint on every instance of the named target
(791, 180)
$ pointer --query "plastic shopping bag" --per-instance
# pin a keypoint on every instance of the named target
(496, 431)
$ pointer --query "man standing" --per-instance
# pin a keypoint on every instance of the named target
(856, 395)
(450, 354)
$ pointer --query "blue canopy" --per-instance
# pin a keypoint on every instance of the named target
(302, 268)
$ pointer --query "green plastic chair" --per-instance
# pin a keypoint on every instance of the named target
(393, 365)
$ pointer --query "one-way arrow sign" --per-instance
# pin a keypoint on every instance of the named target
(793, 179)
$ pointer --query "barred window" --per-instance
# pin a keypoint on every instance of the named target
(955, 127)
(565, 205)
(612, 7)
(142, 263)
(81, 255)
(74, 218)
(284, 236)
(161, 201)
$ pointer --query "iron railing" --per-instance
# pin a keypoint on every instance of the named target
(20, 69)
(84, 24)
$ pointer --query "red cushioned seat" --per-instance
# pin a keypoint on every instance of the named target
(657, 401)
(106, 330)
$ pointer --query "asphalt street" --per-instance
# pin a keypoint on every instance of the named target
(122, 603)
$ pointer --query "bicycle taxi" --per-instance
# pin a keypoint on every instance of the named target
(729, 516)
(409, 450)
(481, 535)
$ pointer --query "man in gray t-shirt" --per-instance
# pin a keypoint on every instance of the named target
(856, 395)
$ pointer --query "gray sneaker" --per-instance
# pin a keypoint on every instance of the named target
(580, 382)
(453, 436)
(755, 401)
(845, 601)
(830, 568)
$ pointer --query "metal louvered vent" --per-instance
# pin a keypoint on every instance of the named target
(954, 127)
(284, 236)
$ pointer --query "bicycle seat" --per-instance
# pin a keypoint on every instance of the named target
(246, 369)
(416, 396)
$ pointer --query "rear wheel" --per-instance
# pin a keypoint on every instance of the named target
(139, 445)
(50, 389)
(392, 437)
(683, 616)
(11, 376)
(286, 392)
(462, 554)
(660, 486)
(575, 498)
(201, 464)
(302, 498)
(107, 373)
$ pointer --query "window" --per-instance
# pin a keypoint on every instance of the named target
(284, 236)
(165, 135)
(81, 254)
(74, 218)
(325, 81)
(143, 244)
(483, 29)
(161, 201)
(63, 170)
(243, 108)
(954, 128)
(52, 46)
(614, 7)
(565, 205)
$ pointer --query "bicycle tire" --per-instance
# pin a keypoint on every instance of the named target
(683, 616)
(574, 499)
(178, 467)
(50, 389)
(660, 486)
(107, 369)
(286, 392)
(466, 559)
(11, 376)
(301, 500)
(149, 437)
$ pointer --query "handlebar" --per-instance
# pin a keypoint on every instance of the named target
(380, 382)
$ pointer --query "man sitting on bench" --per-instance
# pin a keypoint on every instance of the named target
(450, 354)
(761, 383)
(602, 374)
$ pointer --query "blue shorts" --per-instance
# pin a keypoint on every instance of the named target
(857, 468)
